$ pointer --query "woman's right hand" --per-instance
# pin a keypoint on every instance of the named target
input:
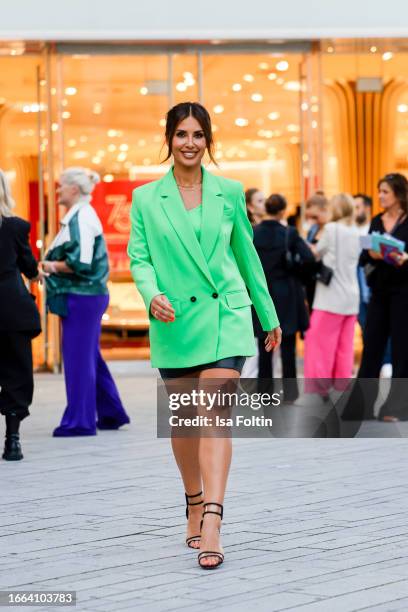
(375, 255)
(161, 309)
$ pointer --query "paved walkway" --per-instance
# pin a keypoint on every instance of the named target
(310, 525)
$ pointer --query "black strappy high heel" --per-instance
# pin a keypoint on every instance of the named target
(211, 553)
(195, 538)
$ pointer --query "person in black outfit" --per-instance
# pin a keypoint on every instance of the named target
(387, 311)
(19, 322)
(282, 253)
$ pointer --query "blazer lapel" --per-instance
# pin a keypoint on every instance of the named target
(174, 208)
(213, 207)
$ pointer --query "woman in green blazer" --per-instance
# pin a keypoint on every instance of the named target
(194, 263)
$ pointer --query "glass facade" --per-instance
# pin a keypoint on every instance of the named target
(288, 118)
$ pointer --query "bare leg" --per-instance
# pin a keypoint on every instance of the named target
(214, 459)
(185, 452)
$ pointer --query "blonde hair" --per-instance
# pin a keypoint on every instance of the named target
(84, 178)
(6, 201)
(342, 207)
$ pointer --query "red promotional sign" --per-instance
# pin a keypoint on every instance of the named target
(112, 201)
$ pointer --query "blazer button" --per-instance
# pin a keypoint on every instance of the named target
(193, 298)
(215, 295)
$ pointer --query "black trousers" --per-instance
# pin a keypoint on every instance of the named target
(289, 373)
(386, 318)
(16, 373)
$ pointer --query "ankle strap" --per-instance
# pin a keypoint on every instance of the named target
(191, 496)
(221, 514)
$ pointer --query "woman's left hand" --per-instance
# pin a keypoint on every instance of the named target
(273, 339)
(399, 258)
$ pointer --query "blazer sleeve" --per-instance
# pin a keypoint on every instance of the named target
(250, 267)
(141, 265)
(26, 261)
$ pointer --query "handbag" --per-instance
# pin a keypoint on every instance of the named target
(324, 274)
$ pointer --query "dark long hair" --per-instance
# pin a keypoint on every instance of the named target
(189, 109)
(248, 201)
(399, 186)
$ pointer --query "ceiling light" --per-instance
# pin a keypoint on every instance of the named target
(144, 91)
(80, 154)
(181, 86)
(282, 66)
(218, 155)
(218, 108)
(280, 81)
(66, 115)
(241, 122)
(54, 127)
(108, 178)
(292, 127)
(294, 140)
(272, 76)
(263, 66)
(124, 147)
(71, 91)
(122, 157)
(111, 148)
(274, 116)
(257, 97)
(314, 124)
(53, 91)
(72, 142)
(373, 49)
(304, 106)
(236, 87)
(162, 122)
(64, 102)
(387, 56)
(249, 78)
(97, 108)
(214, 128)
(330, 49)
(111, 133)
(292, 86)
(402, 108)
(96, 160)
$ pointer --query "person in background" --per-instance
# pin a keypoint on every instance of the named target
(19, 321)
(329, 339)
(363, 209)
(317, 214)
(77, 268)
(280, 249)
(363, 205)
(387, 311)
(255, 204)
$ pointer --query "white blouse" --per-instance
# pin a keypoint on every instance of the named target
(340, 249)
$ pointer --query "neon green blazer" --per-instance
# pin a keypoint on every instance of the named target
(207, 282)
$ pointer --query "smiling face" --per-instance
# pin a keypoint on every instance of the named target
(188, 144)
(386, 196)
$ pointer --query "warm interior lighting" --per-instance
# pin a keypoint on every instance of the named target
(387, 56)
(249, 78)
(70, 91)
(144, 91)
(236, 87)
(218, 108)
(108, 178)
(282, 66)
(241, 122)
(257, 97)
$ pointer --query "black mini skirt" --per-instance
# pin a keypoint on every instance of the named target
(232, 363)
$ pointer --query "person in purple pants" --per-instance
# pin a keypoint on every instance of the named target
(77, 269)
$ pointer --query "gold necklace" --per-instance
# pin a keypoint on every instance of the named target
(193, 187)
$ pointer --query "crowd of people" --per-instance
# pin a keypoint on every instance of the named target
(324, 283)
(320, 279)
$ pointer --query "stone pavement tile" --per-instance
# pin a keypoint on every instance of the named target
(399, 605)
(345, 582)
(364, 599)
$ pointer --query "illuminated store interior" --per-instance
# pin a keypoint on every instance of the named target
(288, 118)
